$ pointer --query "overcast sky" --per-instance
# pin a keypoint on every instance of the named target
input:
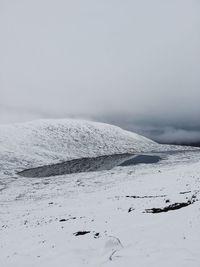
(61, 57)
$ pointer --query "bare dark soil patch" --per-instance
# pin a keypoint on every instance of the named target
(174, 206)
(81, 233)
(157, 196)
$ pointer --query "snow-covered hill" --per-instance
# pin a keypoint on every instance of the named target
(43, 142)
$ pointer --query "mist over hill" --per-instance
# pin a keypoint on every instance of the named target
(168, 131)
(163, 130)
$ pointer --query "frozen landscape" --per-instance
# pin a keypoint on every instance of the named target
(122, 199)
(99, 133)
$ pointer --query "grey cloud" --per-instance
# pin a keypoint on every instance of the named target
(171, 135)
(91, 58)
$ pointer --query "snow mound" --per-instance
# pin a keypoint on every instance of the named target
(42, 142)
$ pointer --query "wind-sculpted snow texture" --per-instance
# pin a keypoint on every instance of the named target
(136, 215)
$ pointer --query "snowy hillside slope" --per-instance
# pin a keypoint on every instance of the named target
(141, 215)
(43, 142)
(102, 219)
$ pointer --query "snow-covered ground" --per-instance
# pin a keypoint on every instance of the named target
(99, 218)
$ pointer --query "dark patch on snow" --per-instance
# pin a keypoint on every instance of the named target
(89, 165)
(81, 233)
(141, 159)
(186, 192)
(97, 235)
(157, 196)
(65, 220)
(130, 209)
(77, 165)
(174, 206)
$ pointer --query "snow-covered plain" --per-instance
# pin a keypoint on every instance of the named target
(97, 218)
